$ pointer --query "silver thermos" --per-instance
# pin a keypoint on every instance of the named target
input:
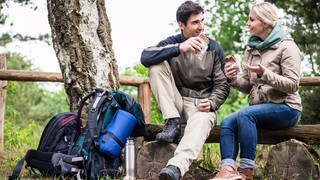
(130, 158)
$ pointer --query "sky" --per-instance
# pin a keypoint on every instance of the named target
(135, 25)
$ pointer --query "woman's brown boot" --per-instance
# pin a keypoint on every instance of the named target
(247, 174)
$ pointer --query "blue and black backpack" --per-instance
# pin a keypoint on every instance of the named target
(68, 149)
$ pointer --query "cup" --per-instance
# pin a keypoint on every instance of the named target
(197, 101)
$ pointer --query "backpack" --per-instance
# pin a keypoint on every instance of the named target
(88, 159)
(59, 135)
(83, 156)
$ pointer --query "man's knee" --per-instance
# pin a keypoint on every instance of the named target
(203, 120)
(157, 69)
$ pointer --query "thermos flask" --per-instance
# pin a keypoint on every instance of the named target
(130, 158)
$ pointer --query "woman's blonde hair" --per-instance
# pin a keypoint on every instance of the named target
(266, 12)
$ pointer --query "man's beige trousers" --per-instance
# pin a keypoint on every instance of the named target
(172, 104)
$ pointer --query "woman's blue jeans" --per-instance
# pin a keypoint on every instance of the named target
(241, 128)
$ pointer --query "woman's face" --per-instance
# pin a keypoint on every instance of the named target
(257, 27)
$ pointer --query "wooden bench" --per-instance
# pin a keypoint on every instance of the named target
(309, 134)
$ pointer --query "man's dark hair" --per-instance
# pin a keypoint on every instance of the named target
(186, 9)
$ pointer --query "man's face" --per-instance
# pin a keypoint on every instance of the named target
(194, 26)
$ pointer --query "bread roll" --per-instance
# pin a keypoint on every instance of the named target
(230, 58)
(204, 38)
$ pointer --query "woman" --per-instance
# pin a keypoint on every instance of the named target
(271, 72)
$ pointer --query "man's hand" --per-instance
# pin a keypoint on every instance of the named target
(193, 44)
(204, 105)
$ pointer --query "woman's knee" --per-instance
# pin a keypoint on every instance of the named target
(245, 115)
(229, 121)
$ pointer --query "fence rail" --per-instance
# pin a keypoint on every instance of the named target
(19, 75)
(140, 82)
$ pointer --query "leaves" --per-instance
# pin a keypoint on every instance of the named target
(27, 100)
(226, 23)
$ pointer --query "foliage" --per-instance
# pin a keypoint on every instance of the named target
(311, 105)
(16, 136)
(17, 140)
(131, 90)
(210, 156)
(20, 106)
(27, 100)
(51, 103)
(8, 37)
(226, 24)
(234, 102)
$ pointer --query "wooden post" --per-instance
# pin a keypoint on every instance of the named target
(144, 99)
(3, 95)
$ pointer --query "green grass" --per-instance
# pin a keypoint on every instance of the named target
(17, 141)
(210, 156)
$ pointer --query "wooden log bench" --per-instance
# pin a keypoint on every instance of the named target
(309, 134)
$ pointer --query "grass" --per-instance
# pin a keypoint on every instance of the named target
(210, 156)
(17, 141)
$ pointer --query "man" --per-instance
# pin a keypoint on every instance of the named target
(185, 69)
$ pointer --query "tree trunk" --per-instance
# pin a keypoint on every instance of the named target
(292, 160)
(3, 95)
(81, 36)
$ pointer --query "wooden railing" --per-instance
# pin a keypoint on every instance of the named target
(141, 83)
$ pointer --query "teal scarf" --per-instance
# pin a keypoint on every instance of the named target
(275, 36)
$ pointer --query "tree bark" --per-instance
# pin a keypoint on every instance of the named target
(81, 36)
(3, 94)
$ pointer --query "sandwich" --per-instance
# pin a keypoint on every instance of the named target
(230, 58)
(204, 38)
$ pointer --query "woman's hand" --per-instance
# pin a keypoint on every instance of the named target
(231, 70)
(259, 69)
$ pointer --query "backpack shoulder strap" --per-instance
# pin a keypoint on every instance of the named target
(94, 111)
(37, 159)
(82, 102)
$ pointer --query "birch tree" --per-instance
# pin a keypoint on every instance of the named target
(81, 36)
